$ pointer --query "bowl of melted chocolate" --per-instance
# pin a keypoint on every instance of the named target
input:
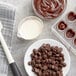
(49, 9)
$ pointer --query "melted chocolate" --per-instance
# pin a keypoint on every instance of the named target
(49, 8)
(62, 25)
(71, 16)
(70, 33)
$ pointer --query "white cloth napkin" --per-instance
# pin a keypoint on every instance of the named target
(7, 17)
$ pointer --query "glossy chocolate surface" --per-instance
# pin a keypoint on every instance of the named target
(62, 25)
(49, 8)
(70, 33)
(71, 16)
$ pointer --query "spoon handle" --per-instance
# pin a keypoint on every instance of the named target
(14, 68)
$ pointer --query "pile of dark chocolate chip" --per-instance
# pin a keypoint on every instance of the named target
(47, 61)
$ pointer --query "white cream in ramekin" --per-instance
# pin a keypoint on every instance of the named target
(30, 28)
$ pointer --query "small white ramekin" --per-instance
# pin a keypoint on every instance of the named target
(28, 18)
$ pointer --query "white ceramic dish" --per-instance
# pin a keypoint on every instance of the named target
(36, 32)
(36, 45)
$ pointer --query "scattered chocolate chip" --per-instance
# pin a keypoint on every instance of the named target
(62, 25)
(29, 63)
(47, 61)
(63, 64)
(70, 33)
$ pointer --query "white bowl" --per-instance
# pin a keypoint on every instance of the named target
(36, 45)
(41, 26)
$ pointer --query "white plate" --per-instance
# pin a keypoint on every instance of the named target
(36, 45)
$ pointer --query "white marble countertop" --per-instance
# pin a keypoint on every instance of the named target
(19, 46)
